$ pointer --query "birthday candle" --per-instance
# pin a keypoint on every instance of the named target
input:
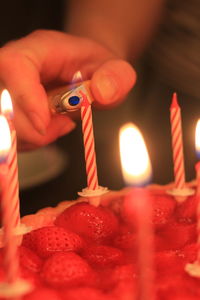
(7, 111)
(10, 255)
(177, 143)
(88, 138)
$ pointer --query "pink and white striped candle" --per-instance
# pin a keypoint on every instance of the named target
(89, 147)
(10, 241)
(177, 143)
(7, 111)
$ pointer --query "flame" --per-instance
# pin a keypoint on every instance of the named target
(5, 138)
(77, 77)
(6, 103)
(136, 165)
(197, 138)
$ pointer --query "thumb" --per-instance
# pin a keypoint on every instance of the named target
(112, 81)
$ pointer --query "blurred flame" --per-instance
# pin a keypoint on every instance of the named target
(77, 77)
(197, 138)
(136, 165)
(6, 103)
(5, 138)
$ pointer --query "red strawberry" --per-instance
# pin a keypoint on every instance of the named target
(66, 269)
(101, 256)
(189, 253)
(177, 235)
(43, 294)
(29, 240)
(49, 240)
(85, 293)
(186, 211)
(96, 223)
(168, 261)
(126, 240)
(162, 206)
(123, 273)
(29, 259)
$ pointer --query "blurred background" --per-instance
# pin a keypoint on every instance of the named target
(171, 63)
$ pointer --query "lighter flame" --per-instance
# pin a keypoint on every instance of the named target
(6, 103)
(197, 137)
(136, 166)
(77, 77)
(5, 138)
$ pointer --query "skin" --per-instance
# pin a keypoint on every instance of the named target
(44, 59)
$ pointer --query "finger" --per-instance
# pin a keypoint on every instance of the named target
(112, 81)
(21, 78)
(29, 138)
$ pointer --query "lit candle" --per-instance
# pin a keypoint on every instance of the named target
(10, 246)
(7, 111)
(194, 268)
(13, 287)
(80, 98)
(197, 146)
(136, 169)
(180, 191)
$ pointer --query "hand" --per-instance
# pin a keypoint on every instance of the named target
(30, 65)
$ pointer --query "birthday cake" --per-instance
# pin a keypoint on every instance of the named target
(80, 251)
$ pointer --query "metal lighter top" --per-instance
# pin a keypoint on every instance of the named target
(69, 98)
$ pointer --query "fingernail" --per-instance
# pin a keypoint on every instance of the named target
(67, 128)
(38, 123)
(107, 88)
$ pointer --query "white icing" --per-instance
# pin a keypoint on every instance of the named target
(181, 192)
(193, 269)
(19, 230)
(18, 288)
(92, 193)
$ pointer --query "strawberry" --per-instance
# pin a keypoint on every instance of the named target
(43, 293)
(103, 256)
(126, 240)
(29, 259)
(189, 253)
(85, 293)
(162, 208)
(29, 240)
(123, 273)
(49, 240)
(65, 269)
(95, 223)
(186, 211)
(177, 235)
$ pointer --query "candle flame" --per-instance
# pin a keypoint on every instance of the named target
(197, 138)
(5, 138)
(6, 103)
(136, 166)
(77, 77)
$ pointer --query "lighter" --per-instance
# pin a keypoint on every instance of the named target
(69, 98)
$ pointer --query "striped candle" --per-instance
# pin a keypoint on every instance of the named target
(7, 111)
(10, 254)
(177, 143)
(88, 138)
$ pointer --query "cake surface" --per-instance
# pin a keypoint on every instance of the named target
(79, 251)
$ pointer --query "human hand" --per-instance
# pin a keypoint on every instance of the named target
(45, 58)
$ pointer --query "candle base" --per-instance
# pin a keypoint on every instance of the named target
(86, 192)
(193, 269)
(16, 289)
(181, 194)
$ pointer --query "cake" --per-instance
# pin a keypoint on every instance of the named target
(77, 251)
